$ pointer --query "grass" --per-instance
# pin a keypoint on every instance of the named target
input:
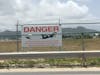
(67, 45)
(65, 62)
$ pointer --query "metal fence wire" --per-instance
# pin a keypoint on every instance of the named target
(11, 41)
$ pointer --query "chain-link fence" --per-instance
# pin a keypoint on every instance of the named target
(72, 40)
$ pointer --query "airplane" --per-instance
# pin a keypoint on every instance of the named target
(28, 37)
(45, 36)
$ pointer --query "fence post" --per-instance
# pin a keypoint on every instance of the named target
(60, 47)
(17, 44)
(83, 49)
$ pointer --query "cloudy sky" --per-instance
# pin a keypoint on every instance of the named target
(27, 11)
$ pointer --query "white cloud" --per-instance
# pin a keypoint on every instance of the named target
(69, 9)
(50, 8)
(83, 0)
(29, 10)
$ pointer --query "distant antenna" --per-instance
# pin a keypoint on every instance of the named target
(59, 22)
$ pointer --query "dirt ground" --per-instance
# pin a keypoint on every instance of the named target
(67, 45)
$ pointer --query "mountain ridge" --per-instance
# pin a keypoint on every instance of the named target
(79, 29)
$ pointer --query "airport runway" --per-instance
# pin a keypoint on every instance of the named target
(52, 73)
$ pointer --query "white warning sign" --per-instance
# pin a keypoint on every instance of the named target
(41, 35)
